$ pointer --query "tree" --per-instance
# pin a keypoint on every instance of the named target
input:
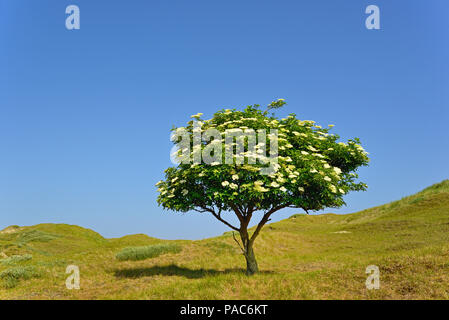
(307, 168)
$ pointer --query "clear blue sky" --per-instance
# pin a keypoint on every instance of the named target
(85, 115)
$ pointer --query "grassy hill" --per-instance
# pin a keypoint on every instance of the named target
(303, 257)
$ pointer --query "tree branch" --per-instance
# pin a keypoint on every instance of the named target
(237, 212)
(218, 216)
(295, 207)
(241, 248)
(263, 221)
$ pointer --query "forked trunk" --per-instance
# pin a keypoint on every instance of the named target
(247, 242)
(248, 252)
(251, 263)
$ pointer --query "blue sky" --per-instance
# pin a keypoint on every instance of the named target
(85, 114)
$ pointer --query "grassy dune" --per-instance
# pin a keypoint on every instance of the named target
(303, 257)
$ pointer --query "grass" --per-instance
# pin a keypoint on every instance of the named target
(303, 257)
(34, 236)
(146, 252)
(11, 276)
(15, 259)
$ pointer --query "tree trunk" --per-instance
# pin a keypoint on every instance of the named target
(247, 242)
(251, 263)
(248, 252)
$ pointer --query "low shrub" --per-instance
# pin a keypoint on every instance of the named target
(146, 252)
(12, 276)
(15, 259)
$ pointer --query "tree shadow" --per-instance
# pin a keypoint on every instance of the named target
(174, 270)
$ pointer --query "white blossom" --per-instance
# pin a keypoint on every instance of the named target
(233, 186)
(196, 115)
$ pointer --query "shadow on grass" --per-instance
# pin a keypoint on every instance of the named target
(174, 270)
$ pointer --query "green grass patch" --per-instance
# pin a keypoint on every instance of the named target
(11, 277)
(416, 200)
(297, 215)
(16, 259)
(34, 236)
(219, 247)
(146, 252)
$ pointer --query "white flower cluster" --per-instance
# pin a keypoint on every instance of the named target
(302, 155)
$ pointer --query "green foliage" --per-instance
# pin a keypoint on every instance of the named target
(314, 169)
(145, 252)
